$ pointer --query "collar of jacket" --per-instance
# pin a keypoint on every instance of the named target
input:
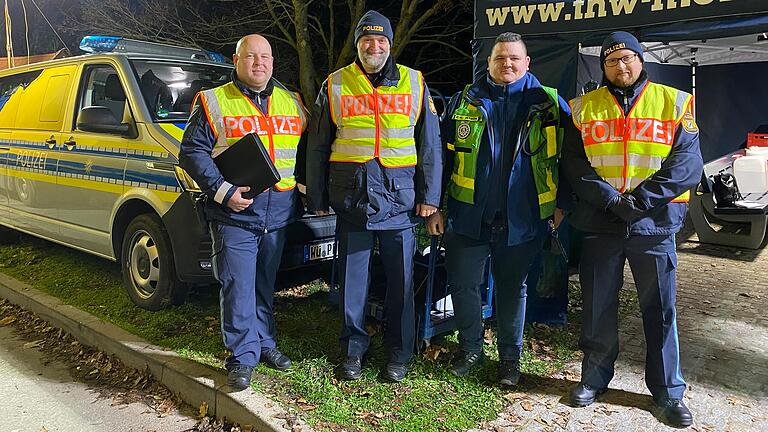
(630, 92)
(253, 93)
(389, 75)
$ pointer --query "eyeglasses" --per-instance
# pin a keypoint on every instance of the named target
(627, 59)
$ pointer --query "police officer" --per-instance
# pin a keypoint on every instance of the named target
(631, 158)
(374, 156)
(503, 137)
(247, 231)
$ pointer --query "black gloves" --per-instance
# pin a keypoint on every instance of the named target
(626, 207)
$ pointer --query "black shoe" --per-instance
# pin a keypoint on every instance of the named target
(675, 413)
(395, 371)
(239, 376)
(464, 361)
(509, 372)
(352, 368)
(275, 359)
(583, 395)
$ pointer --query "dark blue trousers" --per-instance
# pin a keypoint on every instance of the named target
(245, 262)
(396, 248)
(653, 260)
(466, 260)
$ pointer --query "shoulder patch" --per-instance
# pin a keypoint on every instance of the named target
(432, 108)
(689, 123)
(463, 130)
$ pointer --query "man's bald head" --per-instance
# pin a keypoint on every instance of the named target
(253, 61)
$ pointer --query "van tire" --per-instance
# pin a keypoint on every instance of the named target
(149, 274)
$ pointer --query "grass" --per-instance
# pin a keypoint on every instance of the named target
(430, 399)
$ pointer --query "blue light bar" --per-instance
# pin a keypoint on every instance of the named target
(116, 44)
(95, 44)
(216, 57)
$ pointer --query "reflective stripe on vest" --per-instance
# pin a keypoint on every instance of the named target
(625, 151)
(544, 143)
(232, 115)
(375, 122)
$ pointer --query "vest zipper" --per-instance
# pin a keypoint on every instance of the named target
(626, 158)
(266, 213)
(378, 125)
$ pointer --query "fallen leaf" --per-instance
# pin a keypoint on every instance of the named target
(35, 344)
(372, 330)
(526, 405)
(488, 336)
(512, 397)
(434, 351)
(43, 429)
(203, 411)
(8, 320)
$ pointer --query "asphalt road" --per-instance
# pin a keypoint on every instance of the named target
(37, 397)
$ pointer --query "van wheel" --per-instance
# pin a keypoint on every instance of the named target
(149, 275)
(25, 191)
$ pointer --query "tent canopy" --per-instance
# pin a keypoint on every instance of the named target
(554, 29)
(718, 36)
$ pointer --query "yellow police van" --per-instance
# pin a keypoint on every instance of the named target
(88, 159)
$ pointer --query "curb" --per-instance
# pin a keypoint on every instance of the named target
(191, 381)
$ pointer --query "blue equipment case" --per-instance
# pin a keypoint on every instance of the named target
(429, 285)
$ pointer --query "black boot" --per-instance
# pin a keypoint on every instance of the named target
(583, 395)
(395, 371)
(509, 372)
(352, 368)
(275, 359)
(239, 376)
(675, 413)
(464, 361)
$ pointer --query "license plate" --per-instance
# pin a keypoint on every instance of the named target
(319, 251)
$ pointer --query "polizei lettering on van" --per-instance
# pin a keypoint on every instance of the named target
(31, 159)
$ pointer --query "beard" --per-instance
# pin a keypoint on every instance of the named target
(373, 61)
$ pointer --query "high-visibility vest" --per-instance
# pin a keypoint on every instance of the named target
(375, 122)
(544, 142)
(626, 150)
(232, 115)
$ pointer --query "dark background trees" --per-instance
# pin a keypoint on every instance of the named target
(310, 37)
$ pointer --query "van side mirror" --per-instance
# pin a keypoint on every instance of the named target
(100, 119)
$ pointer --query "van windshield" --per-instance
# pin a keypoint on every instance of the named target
(170, 87)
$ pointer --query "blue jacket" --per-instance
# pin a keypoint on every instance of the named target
(501, 187)
(679, 172)
(271, 209)
(368, 194)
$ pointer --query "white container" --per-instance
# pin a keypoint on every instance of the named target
(757, 151)
(751, 173)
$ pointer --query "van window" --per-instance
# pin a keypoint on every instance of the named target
(8, 87)
(52, 108)
(102, 87)
(169, 87)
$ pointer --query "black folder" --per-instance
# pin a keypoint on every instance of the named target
(247, 163)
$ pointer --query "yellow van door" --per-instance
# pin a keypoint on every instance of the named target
(92, 161)
(33, 197)
(5, 148)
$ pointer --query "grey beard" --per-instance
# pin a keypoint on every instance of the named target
(373, 62)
